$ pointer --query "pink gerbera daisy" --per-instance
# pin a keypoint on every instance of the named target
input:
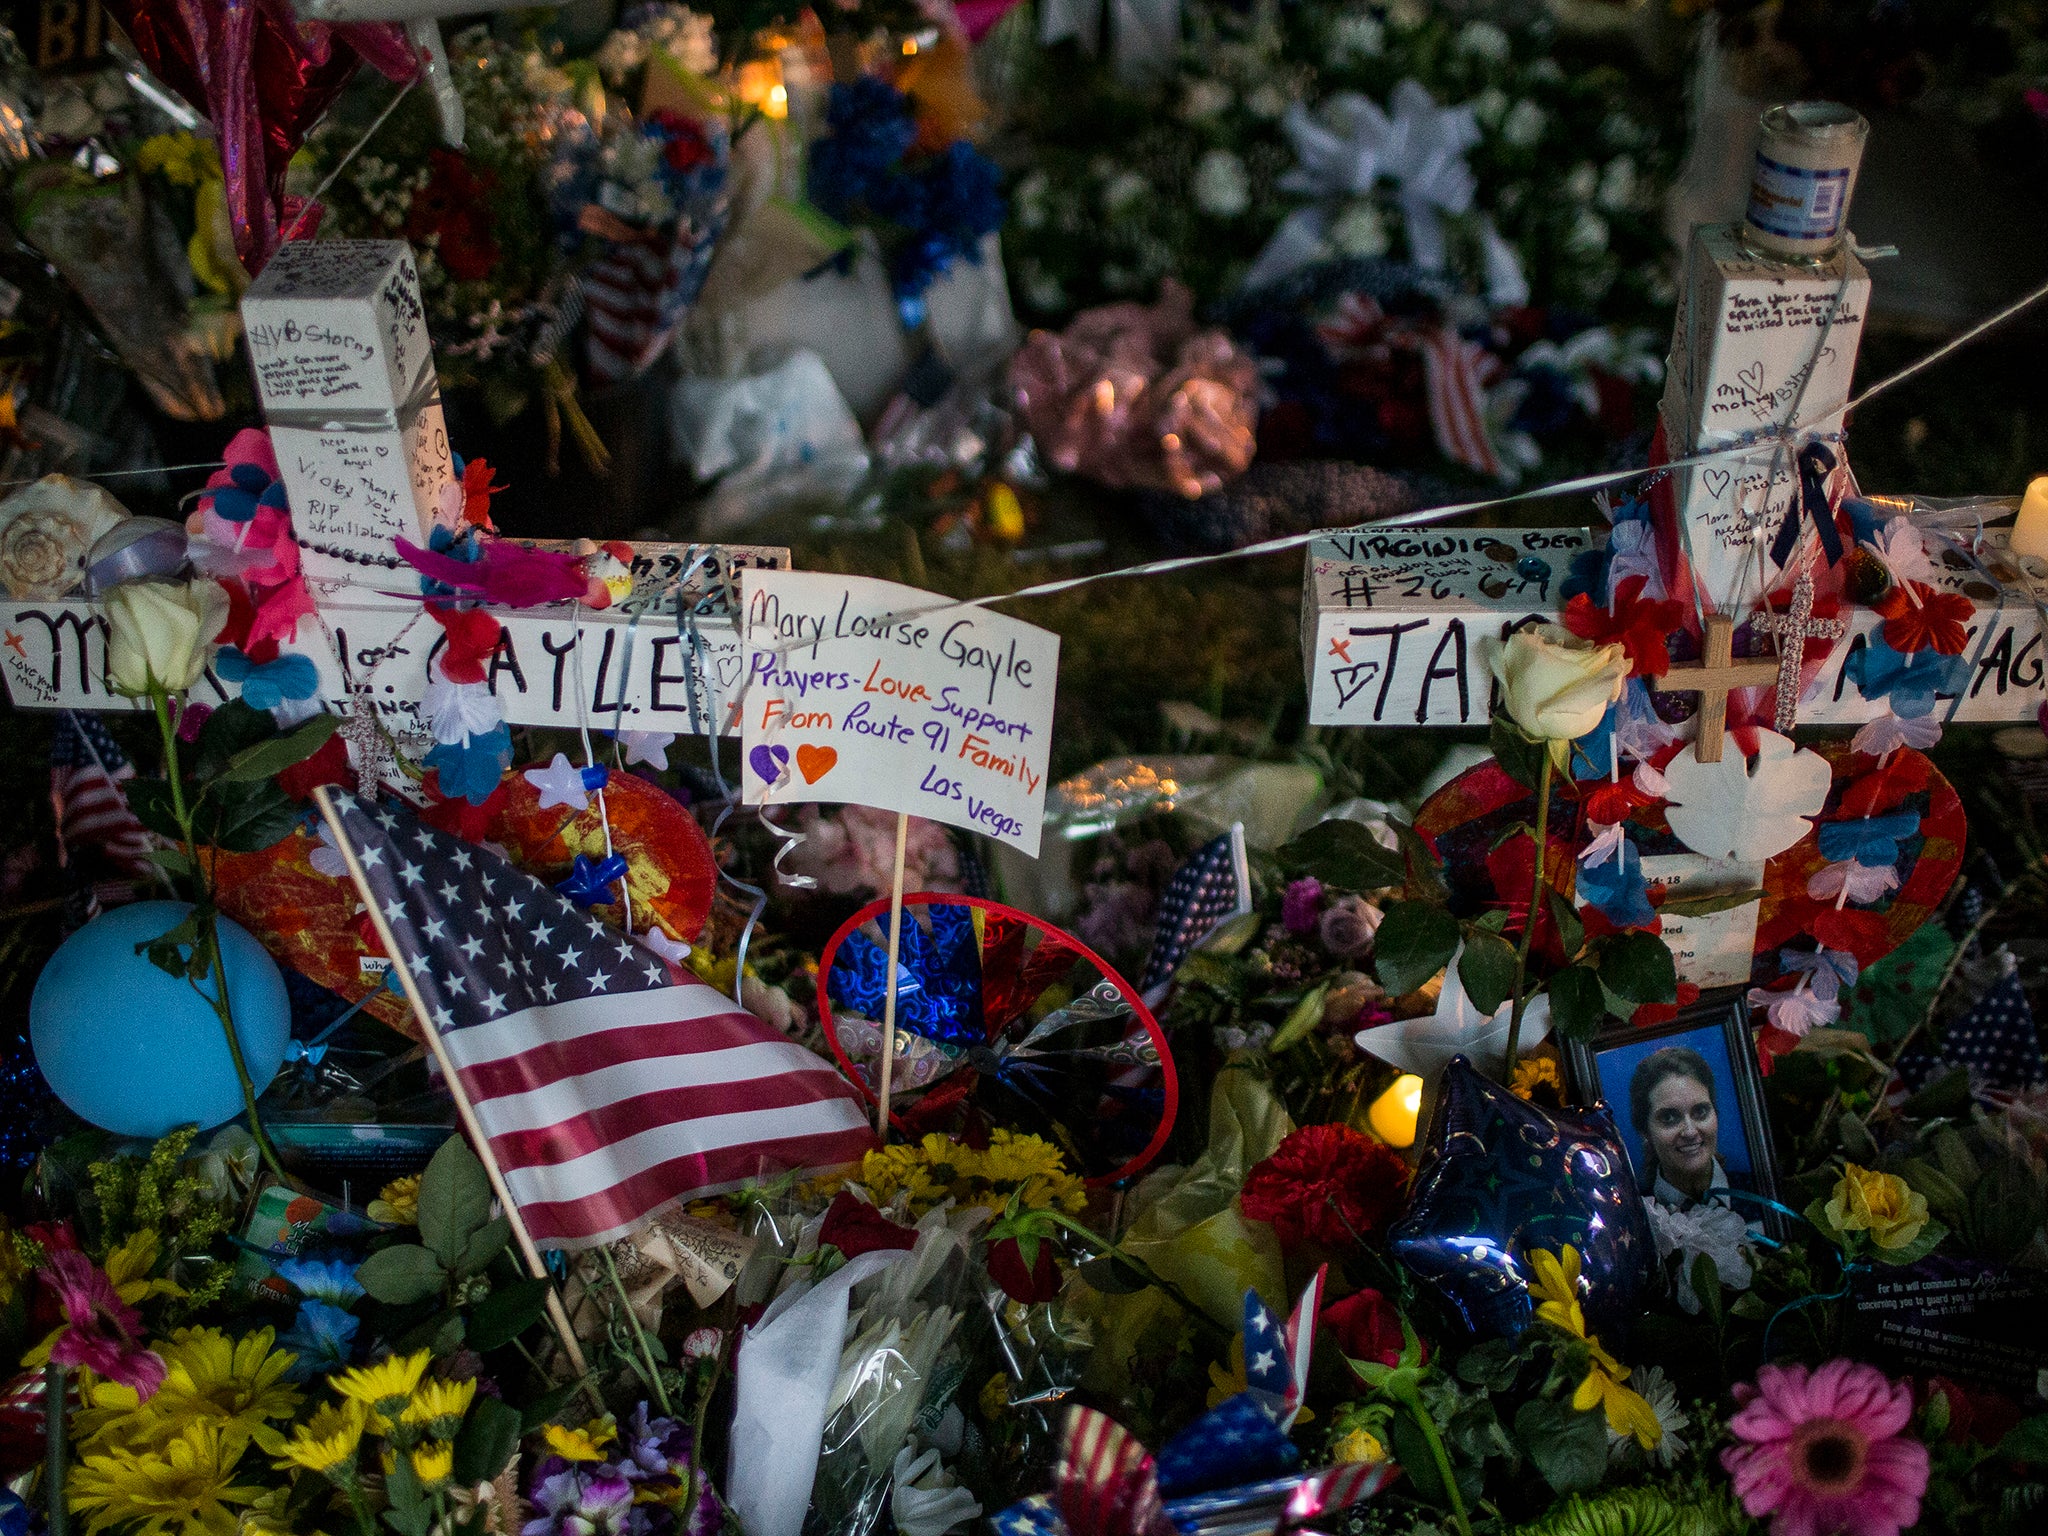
(102, 1333)
(1824, 1452)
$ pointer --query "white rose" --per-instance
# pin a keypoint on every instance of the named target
(1554, 685)
(1583, 182)
(1524, 124)
(1588, 235)
(159, 632)
(1222, 188)
(1360, 231)
(1123, 190)
(1358, 35)
(1203, 99)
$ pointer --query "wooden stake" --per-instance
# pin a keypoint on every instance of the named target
(1712, 677)
(463, 1108)
(889, 997)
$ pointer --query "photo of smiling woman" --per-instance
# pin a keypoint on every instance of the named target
(1671, 1099)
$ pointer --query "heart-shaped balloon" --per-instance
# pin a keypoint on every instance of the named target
(1466, 819)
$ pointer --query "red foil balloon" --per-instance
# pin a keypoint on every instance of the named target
(263, 77)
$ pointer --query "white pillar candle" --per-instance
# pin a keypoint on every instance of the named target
(2030, 530)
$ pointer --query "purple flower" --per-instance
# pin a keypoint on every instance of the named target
(1301, 905)
(580, 1501)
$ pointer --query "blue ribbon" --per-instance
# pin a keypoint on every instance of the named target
(1815, 461)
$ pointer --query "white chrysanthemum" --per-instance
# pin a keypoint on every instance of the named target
(1490, 106)
(1651, 1384)
(1482, 39)
(1588, 236)
(1617, 185)
(1358, 35)
(1123, 191)
(1268, 102)
(1202, 98)
(1223, 189)
(1583, 182)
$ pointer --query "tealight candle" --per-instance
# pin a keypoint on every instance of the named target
(1393, 1114)
(2030, 529)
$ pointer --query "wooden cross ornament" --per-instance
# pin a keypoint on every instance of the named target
(1712, 677)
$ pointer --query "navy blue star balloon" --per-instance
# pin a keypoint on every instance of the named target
(1500, 1177)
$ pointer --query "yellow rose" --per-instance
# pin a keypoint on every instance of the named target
(1357, 1446)
(1878, 1203)
(1555, 685)
(158, 633)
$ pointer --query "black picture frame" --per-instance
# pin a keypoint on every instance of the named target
(1719, 1022)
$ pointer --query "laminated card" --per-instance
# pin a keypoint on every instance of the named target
(864, 692)
(345, 371)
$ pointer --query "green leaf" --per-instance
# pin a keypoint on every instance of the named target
(506, 1313)
(1576, 1003)
(2026, 1441)
(229, 730)
(1571, 933)
(1714, 901)
(484, 1245)
(1495, 921)
(267, 759)
(172, 861)
(1638, 967)
(1425, 869)
(1344, 854)
(1303, 1017)
(2005, 1211)
(1415, 941)
(1412, 1451)
(150, 800)
(410, 1514)
(1706, 1285)
(546, 1406)
(401, 1274)
(1517, 754)
(1487, 968)
(1112, 1276)
(246, 818)
(1492, 1366)
(1943, 1196)
(454, 1201)
(1569, 1447)
(486, 1441)
(1929, 1239)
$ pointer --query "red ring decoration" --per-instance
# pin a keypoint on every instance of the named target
(1170, 1079)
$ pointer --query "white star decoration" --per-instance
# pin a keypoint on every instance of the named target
(649, 747)
(411, 873)
(560, 784)
(674, 951)
(473, 947)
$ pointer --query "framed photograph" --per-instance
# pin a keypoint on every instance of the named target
(1689, 1102)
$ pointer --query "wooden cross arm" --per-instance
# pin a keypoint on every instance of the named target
(1711, 677)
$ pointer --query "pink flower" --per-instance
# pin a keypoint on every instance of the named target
(103, 1332)
(854, 851)
(1824, 1452)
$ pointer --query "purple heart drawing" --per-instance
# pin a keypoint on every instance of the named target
(770, 762)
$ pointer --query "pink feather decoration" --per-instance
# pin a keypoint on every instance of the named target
(508, 573)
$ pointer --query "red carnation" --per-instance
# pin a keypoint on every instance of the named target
(1367, 1327)
(1327, 1183)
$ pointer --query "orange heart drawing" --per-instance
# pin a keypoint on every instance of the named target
(815, 762)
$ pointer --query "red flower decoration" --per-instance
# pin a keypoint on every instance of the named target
(1367, 1327)
(1614, 802)
(454, 207)
(1664, 1013)
(1327, 1183)
(1642, 628)
(330, 765)
(1884, 789)
(854, 1227)
(472, 637)
(1939, 619)
(1862, 934)
(477, 492)
(458, 817)
(1040, 1282)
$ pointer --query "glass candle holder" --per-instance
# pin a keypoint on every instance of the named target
(1806, 163)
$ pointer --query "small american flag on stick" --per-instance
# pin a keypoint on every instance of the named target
(602, 1087)
(87, 769)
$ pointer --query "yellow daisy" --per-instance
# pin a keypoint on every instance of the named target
(438, 1406)
(326, 1443)
(238, 1383)
(584, 1444)
(1555, 1290)
(185, 1489)
(383, 1388)
(434, 1463)
(398, 1203)
(129, 1266)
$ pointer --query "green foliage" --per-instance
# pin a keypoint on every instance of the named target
(1568, 1446)
(1416, 940)
(1344, 854)
(1638, 968)
(1521, 757)
(486, 1441)
(1487, 968)
(460, 1237)
(1577, 1003)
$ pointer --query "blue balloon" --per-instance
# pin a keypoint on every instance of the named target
(135, 1050)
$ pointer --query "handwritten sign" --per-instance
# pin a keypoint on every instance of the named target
(868, 693)
(1713, 949)
(1395, 624)
(560, 666)
(1398, 629)
(344, 367)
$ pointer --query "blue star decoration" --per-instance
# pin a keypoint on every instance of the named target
(590, 885)
(1499, 1177)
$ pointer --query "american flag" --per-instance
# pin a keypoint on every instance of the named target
(1276, 1357)
(605, 1088)
(87, 769)
(1215, 883)
(635, 296)
(1996, 1040)
(1457, 372)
